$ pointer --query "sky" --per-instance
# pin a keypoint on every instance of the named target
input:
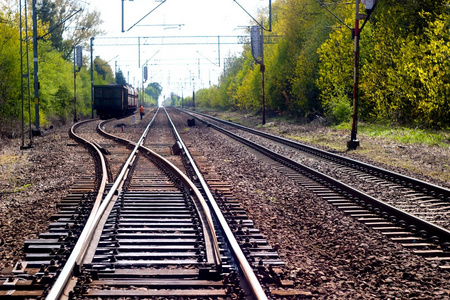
(184, 43)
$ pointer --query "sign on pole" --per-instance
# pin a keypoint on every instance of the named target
(145, 73)
(79, 59)
(256, 44)
(369, 4)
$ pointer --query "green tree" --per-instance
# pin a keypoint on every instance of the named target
(291, 65)
(153, 90)
(69, 23)
(229, 82)
(56, 93)
(407, 79)
(120, 79)
(10, 107)
(104, 70)
(335, 71)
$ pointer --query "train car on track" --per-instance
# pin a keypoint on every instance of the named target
(114, 100)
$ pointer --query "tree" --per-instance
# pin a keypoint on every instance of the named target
(69, 23)
(103, 69)
(154, 90)
(407, 78)
(291, 64)
(335, 70)
(120, 79)
(56, 94)
(9, 65)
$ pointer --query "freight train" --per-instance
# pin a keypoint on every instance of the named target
(114, 100)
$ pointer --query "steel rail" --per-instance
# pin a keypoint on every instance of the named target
(252, 280)
(435, 233)
(213, 252)
(65, 274)
(416, 184)
(99, 208)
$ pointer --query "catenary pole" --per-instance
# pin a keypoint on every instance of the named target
(92, 77)
(74, 86)
(263, 70)
(353, 143)
(35, 60)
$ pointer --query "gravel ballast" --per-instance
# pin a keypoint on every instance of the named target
(328, 254)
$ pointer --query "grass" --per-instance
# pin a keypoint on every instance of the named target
(331, 139)
(407, 135)
(8, 159)
(394, 133)
(400, 134)
(9, 164)
(21, 188)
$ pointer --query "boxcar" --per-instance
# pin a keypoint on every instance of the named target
(114, 100)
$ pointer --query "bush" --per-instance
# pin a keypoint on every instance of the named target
(339, 109)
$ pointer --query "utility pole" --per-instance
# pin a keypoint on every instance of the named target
(74, 85)
(35, 60)
(25, 75)
(92, 77)
(263, 69)
(353, 143)
(258, 50)
(257, 43)
(77, 64)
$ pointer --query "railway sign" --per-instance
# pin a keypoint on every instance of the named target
(369, 4)
(79, 56)
(256, 44)
(145, 73)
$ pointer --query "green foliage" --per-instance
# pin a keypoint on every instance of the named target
(104, 70)
(339, 109)
(335, 68)
(69, 24)
(153, 90)
(62, 101)
(403, 64)
(56, 74)
(291, 65)
(406, 135)
(406, 78)
(295, 66)
(176, 100)
(120, 78)
(9, 68)
(204, 97)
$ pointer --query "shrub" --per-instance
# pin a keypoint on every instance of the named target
(339, 109)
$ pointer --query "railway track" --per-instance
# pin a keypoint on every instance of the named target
(146, 230)
(413, 213)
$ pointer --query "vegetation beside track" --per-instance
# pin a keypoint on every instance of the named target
(403, 65)
(56, 50)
